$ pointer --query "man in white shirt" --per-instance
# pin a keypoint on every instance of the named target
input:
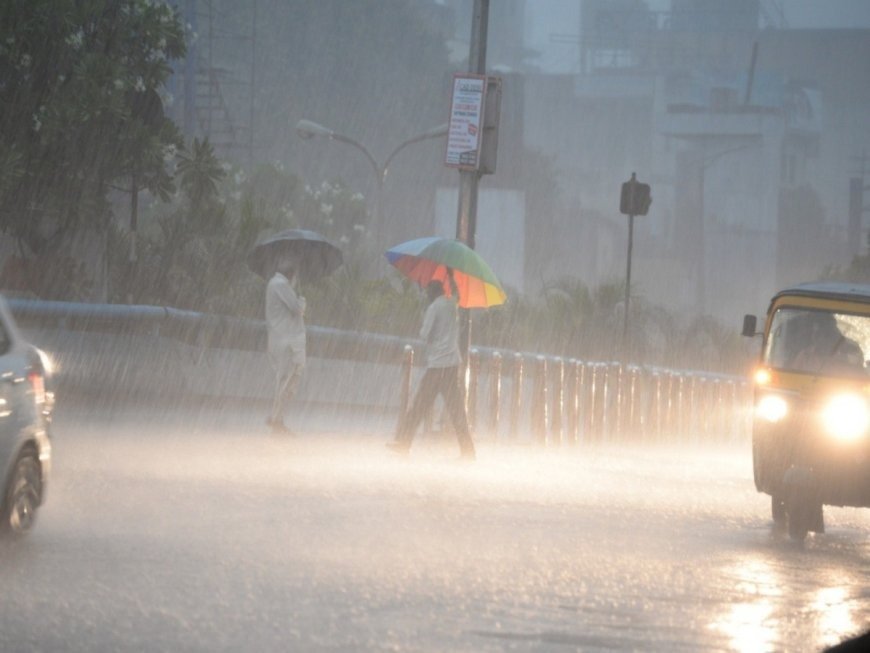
(440, 332)
(286, 346)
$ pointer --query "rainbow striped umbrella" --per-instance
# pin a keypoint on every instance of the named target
(425, 259)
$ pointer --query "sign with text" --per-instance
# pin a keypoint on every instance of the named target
(466, 121)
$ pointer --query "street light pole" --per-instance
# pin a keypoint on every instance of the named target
(307, 129)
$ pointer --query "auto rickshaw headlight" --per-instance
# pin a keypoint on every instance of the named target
(846, 417)
(772, 408)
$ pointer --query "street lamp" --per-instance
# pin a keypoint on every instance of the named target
(307, 129)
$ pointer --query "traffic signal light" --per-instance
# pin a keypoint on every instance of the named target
(635, 198)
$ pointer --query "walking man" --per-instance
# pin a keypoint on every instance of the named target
(440, 332)
(286, 346)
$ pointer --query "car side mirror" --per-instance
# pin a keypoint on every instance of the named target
(749, 324)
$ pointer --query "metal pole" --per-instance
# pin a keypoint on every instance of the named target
(625, 355)
(379, 198)
(701, 285)
(407, 372)
(133, 254)
(494, 394)
(191, 63)
(251, 112)
(466, 219)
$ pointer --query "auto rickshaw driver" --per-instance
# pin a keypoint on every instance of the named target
(826, 350)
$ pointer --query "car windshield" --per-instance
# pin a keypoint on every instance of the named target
(818, 342)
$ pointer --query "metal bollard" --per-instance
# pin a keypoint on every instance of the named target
(571, 396)
(656, 401)
(633, 391)
(646, 388)
(684, 406)
(595, 398)
(613, 372)
(516, 395)
(539, 401)
(583, 410)
(616, 376)
(673, 404)
(711, 408)
(718, 413)
(407, 369)
(696, 405)
(494, 394)
(557, 401)
(702, 406)
(473, 382)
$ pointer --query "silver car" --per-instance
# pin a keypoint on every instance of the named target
(25, 416)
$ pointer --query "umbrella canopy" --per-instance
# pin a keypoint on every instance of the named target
(425, 259)
(314, 256)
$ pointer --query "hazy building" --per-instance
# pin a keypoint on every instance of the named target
(745, 130)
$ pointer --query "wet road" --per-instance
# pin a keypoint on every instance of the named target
(200, 532)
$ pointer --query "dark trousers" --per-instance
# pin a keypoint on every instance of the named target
(444, 381)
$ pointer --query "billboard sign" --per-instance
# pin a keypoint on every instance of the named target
(466, 122)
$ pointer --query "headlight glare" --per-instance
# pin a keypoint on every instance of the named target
(772, 408)
(846, 417)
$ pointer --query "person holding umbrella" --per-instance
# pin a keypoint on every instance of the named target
(440, 332)
(285, 325)
(432, 263)
(281, 259)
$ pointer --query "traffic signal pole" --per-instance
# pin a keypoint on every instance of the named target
(634, 199)
(627, 289)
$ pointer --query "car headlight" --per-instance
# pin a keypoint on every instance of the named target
(772, 408)
(846, 417)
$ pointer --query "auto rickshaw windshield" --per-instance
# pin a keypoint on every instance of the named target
(813, 341)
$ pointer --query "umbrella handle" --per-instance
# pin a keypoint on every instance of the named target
(454, 290)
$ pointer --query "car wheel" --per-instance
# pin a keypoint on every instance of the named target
(22, 496)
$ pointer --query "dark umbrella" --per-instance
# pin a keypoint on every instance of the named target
(314, 256)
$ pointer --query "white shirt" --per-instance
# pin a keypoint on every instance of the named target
(284, 311)
(440, 332)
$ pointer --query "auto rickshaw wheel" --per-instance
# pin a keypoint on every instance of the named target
(778, 511)
(800, 510)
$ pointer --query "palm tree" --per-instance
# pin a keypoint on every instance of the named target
(200, 171)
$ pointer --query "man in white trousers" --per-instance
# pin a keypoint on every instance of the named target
(286, 330)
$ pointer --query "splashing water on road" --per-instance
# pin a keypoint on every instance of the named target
(178, 532)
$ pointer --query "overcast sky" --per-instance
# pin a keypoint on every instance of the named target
(804, 13)
(551, 17)
(827, 13)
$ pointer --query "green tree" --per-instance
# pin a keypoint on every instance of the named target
(199, 171)
(79, 113)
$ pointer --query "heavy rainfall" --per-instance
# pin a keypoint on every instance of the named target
(415, 325)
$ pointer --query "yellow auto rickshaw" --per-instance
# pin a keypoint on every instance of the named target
(811, 423)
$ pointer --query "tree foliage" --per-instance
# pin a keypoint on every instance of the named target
(79, 111)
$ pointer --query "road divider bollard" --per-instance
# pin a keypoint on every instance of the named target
(557, 401)
(572, 409)
(407, 370)
(494, 394)
(516, 395)
(473, 383)
(539, 401)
